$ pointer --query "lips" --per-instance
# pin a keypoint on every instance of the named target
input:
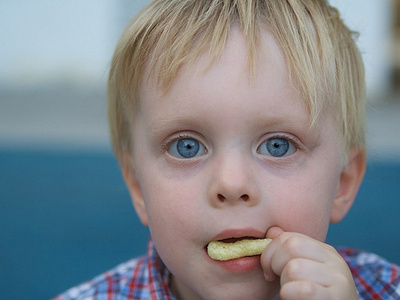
(233, 235)
(232, 239)
(239, 265)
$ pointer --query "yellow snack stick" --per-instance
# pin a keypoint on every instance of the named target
(225, 251)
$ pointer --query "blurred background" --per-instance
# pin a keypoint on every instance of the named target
(65, 215)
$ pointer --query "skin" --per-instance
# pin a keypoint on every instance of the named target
(232, 187)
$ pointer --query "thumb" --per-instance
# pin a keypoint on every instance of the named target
(274, 232)
(266, 256)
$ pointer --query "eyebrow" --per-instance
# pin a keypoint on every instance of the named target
(166, 123)
(179, 122)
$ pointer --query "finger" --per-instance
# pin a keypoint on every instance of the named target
(299, 290)
(332, 276)
(273, 233)
(298, 246)
(301, 269)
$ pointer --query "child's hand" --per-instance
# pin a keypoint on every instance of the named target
(308, 269)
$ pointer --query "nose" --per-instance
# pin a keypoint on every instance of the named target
(232, 183)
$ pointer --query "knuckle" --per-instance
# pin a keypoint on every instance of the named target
(293, 244)
(330, 248)
(299, 290)
(344, 281)
(307, 290)
(293, 270)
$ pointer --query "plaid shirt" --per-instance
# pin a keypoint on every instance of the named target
(148, 278)
(140, 278)
(375, 277)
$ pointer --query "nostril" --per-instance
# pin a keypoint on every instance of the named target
(221, 198)
(245, 197)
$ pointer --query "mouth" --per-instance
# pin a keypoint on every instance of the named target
(231, 240)
(234, 235)
(234, 248)
(236, 239)
(237, 254)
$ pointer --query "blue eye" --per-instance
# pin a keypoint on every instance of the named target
(277, 147)
(186, 148)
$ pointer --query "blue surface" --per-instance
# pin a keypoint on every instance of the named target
(66, 217)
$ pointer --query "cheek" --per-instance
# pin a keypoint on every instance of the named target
(173, 209)
(175, 223)
(172, 203)
(310, 218)
(306, 206)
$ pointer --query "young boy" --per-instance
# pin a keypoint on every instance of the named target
(240, 120)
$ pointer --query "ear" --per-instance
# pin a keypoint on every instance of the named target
(350, 181)
(135, 192)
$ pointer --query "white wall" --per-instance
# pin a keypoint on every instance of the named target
(372, 18)
(73, 40)
(59, 40)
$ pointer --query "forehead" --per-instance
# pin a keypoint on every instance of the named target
(198, 89)
(235, 59)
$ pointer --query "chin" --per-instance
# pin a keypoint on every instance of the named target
(242, 290)
(245, 293)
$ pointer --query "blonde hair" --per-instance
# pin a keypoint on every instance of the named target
(323, 59)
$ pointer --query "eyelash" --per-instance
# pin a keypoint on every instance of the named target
(165, 145)
(291, 139)
(296, 143)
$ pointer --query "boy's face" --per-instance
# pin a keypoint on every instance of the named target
(223, 155)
